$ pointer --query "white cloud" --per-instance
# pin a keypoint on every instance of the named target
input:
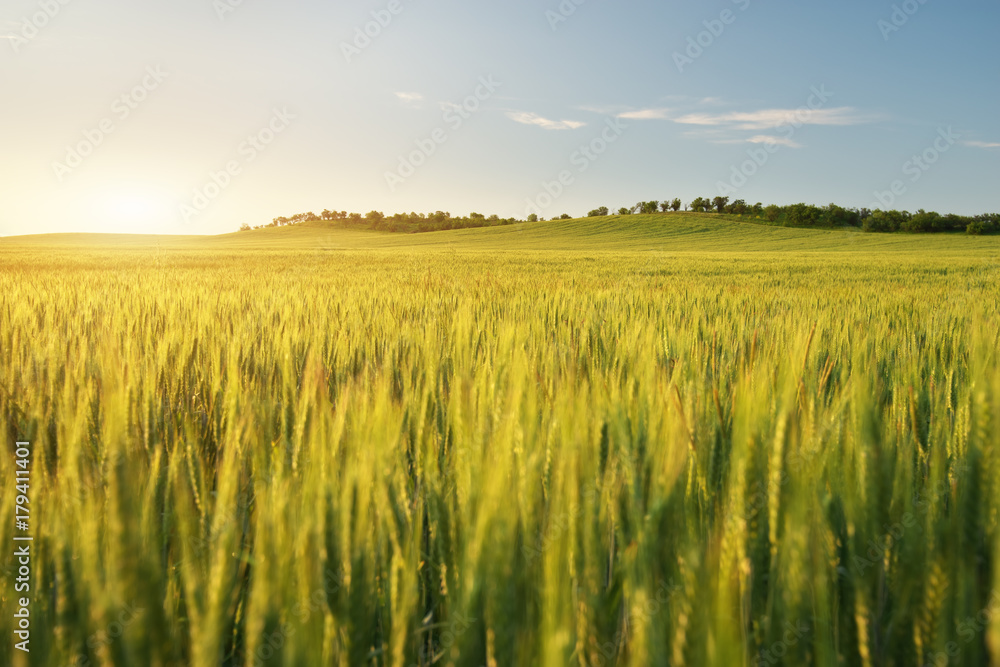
(528, 118)
(728, 127)
(774, 141)
(410, 99)
(646, 114)
(981, 144)
(771, 118)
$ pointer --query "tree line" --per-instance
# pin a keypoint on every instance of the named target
(793, 215)
(830, 216)
(399, 222)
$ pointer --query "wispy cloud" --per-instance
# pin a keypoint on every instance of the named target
(528, 118)
(733, 127)
(756, 139)
(655, 113)
(767, 119)
(646, 114)
(410, 99)
(689, 100)
(774, 141)
(609, 110)
(981, 144)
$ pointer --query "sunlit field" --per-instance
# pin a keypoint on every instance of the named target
(615, 442)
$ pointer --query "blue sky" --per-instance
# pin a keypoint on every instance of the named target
(195, 116)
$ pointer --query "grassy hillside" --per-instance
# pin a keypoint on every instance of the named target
(675, 232)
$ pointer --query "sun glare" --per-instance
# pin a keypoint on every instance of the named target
(133, 212)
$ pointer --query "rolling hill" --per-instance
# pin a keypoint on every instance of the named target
(677, 232)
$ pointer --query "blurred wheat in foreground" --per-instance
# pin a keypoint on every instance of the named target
(373, 457)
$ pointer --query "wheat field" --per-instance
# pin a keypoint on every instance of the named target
(630, 450)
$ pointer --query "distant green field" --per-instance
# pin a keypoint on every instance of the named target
(701, 232)
(647, 440)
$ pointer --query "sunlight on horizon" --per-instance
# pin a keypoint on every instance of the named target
(133, 210)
